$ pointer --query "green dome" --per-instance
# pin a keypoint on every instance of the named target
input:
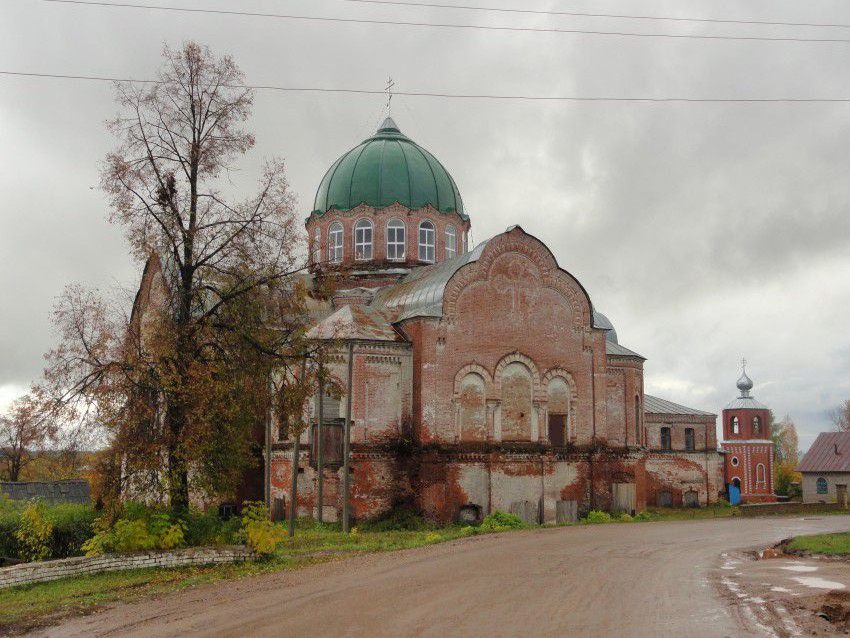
(389, 167)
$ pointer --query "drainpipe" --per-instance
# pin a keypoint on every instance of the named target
(296, 458)
(268, 472)
(320, 462)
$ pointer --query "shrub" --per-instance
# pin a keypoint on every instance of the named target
(597, 516)
(8, 541)
(499, 520)
(643, 516)
(625, 518)
(399, 519)
(259, 532)
(206, 528)
(34, 533)
(72, 526)
(137, 530)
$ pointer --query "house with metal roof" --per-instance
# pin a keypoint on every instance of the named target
(826, 468)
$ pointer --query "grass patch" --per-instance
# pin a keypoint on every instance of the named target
(822, 543)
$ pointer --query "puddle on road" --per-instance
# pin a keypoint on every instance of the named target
(818, 583)
(799, 568)
(780, 590)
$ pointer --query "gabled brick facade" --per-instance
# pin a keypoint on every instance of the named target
(502, 393)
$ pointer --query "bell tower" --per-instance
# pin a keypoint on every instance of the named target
(747, 444)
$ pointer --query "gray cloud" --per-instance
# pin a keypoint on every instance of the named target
(705, 231)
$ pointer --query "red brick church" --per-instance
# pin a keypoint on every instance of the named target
(483, 376)
(748, 446)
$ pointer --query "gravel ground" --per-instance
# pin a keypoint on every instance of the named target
(648, 579)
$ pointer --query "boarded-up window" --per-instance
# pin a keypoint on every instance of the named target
(473, 409)
(665, 439)
(330, 408)
(516, 402)
(689, 439)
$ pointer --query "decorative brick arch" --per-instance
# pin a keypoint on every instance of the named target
(566, 376)
(473, 368)
(516, 357)
(552, 277)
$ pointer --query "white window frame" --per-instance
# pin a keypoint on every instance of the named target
(335, 242)
(427, 250)
(363, 240)
(393, 243)
(317, 246)
(451, 242)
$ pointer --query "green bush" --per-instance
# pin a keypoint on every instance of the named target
(597, 516)
(260, 533)
(72, 526)
(643, 516)
(206, 528)
(625, 518)
(499, 520)
(398, 519)
(34, 532)
(137, 529)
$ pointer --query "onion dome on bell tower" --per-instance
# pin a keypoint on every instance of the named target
(745, 384)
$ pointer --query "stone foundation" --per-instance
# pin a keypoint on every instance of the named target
(40, 572)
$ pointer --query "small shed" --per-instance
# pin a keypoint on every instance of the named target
(70, 491)
(826, 468)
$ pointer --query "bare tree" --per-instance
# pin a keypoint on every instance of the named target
(840, 416)
(183, 388)
(24, 430)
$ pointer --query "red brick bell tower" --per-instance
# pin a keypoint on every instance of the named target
(748, 445)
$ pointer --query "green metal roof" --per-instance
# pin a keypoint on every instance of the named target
(387, 168)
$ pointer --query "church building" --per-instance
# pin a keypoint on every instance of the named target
(483, 377)
(748, 447)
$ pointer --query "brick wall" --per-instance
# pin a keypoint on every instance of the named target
(679, 472)
(40, 572)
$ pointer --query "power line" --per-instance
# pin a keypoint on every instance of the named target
(586, 14)
(441, 25)
(459, 96)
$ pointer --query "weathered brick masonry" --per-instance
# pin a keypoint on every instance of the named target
(483, 379)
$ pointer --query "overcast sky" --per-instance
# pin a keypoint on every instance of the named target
(706, 232)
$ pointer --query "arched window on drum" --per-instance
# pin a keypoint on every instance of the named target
(427, 242)
(335, 243)
(363, 240)
(451, 242)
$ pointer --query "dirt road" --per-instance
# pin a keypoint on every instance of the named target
(650, 579)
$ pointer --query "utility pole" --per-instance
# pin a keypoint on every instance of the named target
(346, 446)
(296, 458)
(268, 477)
(320, 461)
